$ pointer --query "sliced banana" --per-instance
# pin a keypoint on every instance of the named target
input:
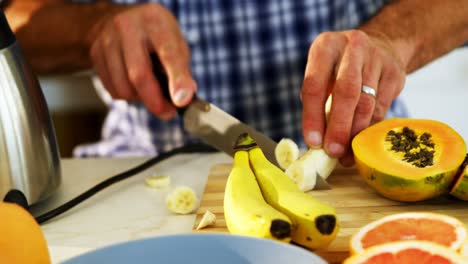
(302, 175)
(157, 181)
(314, 163)
(207, 219)
(182, 200)
(323, 163)
(286, 152)
(328, 107)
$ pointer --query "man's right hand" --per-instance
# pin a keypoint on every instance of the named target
(120, 52)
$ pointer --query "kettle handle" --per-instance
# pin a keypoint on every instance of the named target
(6, 35)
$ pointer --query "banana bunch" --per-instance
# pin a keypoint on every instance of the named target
(245, 210)
(314, 223)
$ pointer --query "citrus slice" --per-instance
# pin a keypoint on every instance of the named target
(464, 249)
(438, 228)
(407, 252)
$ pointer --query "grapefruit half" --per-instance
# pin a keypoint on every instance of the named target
(438, 228)
(464, 249)
(407, 252)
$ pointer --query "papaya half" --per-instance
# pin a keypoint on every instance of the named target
(407, 159)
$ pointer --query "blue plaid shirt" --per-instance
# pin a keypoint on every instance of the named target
(248, 58)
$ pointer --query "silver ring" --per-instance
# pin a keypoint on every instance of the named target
(368, 90)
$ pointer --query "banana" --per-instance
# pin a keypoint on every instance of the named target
(310, 165)
(286, 152)
(314, 163)
(315, 223)
(182, 200)
(157, 181)
(245, 209)
(328, 105)
(208, 219)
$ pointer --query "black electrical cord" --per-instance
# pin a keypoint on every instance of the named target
(190, 148)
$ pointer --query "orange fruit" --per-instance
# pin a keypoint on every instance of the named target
(21, 238)
(438, 228)
(407, 252)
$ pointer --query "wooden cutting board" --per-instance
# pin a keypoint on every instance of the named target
(356, 205)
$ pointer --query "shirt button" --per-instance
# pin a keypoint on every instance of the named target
(192, 36)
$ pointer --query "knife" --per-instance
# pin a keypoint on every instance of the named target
(216, 127)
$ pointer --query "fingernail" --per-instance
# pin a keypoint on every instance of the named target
(314, 138)
(180, 96)
(335, 149)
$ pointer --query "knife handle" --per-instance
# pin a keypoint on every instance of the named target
(161, 76)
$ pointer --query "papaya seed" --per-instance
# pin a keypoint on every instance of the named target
(418, 150)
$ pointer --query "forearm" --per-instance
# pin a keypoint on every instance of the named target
(421, 30)
(56, 35)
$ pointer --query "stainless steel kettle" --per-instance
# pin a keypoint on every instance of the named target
(29, 156)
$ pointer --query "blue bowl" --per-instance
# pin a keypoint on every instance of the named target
(199, 248)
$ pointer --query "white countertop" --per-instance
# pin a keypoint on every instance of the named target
(125, 211)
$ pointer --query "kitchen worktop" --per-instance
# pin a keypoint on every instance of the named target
(129, 210)
(125, 211)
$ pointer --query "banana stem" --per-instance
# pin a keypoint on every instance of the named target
(245, 142)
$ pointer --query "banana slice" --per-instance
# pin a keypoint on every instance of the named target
(207, 219)
(328, 104)
(302, 175)
(157, 181)
(182, 200)
(314, 163)
(286, 152)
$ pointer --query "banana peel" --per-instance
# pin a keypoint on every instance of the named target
(260, 200)
(315, 222)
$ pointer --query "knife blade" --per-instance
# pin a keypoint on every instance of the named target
(220, 129)
(216, 127)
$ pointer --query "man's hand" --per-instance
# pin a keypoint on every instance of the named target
(121, 51)
(59, 36)
(401, 38)
(340, 63)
